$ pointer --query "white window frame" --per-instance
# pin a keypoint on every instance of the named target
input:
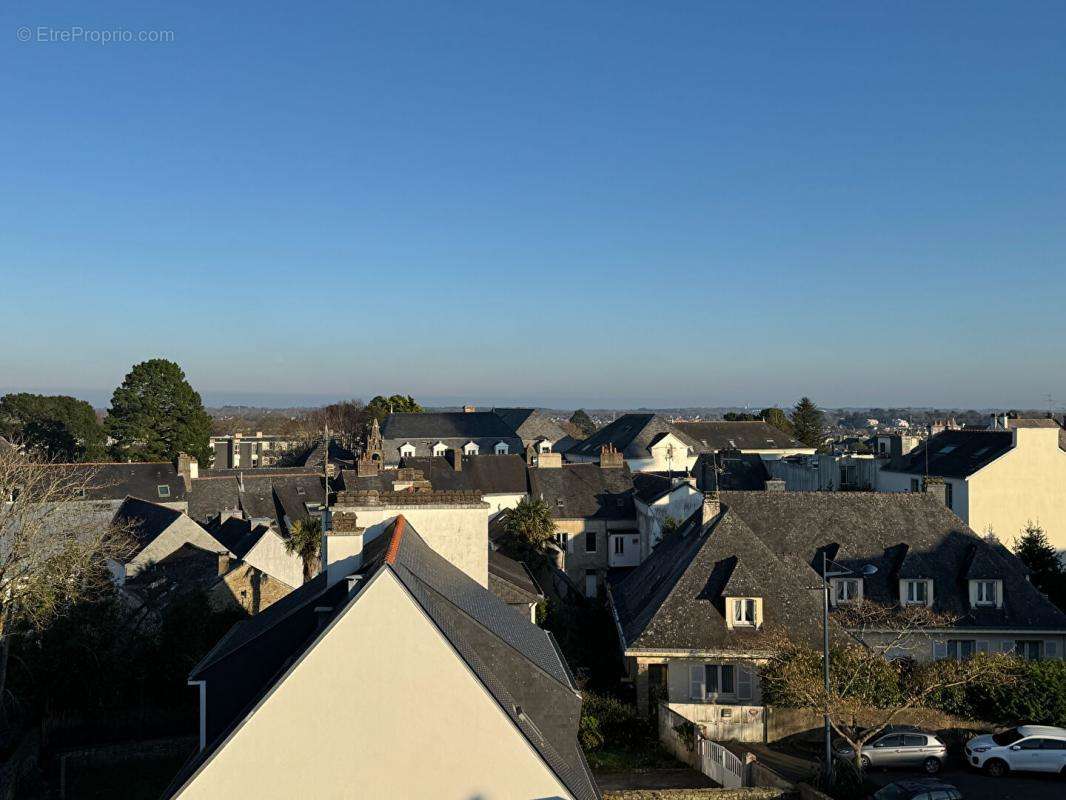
(908, 598)
(407, 450)
(619, 545)
(838, 584)
(982, 591)
(163, 490)
(954, 649)
(562, 538)
(502, 449)
(440, 449)
(745, 612)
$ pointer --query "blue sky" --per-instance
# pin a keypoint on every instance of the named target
(559, 203)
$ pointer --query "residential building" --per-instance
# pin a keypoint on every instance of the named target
(828, 472)
(647, 442)
(700, 615)
(233, 451)
(501, 480)
(756, 437)
(533, 428)
(454, 523)
(261, 545)
(268, 496)
(735, 471)
(324, 694)
(660, 500)
(996, 480)
(110, 483)
(512, 582)
(595, 518)
(423, 435)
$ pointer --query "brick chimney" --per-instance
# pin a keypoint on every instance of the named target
(225, 561)
(934, 485)
(188, 468)
(455, 458)
(610, 458)
(712, 507)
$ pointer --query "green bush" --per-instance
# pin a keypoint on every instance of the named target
(1035, 692)
(606, 720)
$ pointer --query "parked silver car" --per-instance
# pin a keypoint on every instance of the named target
(902, 747)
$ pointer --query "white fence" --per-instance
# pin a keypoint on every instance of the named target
(719, 764)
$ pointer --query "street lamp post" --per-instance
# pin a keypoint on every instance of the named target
(868, 569)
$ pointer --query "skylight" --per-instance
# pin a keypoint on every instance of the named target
(947, 449)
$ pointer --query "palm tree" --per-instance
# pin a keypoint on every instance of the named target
(305, 539)
(530, 525)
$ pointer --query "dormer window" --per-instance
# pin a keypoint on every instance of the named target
(440, 449)
(163, 490)
(916, 592)
(986, 593)
(502, 449)
(470, 449)
(744, 612)
(846, 590)
(407, 450)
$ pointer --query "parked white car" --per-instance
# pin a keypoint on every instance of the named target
(1029, 748)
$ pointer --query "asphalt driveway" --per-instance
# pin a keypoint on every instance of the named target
(978, 786)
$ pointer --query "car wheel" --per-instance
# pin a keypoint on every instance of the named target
(865, 762)
(997, 768)
(932, 765)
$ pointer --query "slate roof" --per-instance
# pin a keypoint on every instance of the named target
(772, 542)
(631, 435)
(736, 471)
(517, 662)
(143, 521)
(487, 473)
(445, 425)
(529, 425)
(650, 486)
(724, 435)
(271, 496)
(237, 535)
(584, 491)
(510, 581)
(118, 480)
(954, 454)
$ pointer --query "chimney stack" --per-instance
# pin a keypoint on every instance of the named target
(455, 456)
(225, 561)
(188, 468)
(610, 458)
(469, 409)
(549, 460)
(342, 547)
(366, 467)
(712, 507)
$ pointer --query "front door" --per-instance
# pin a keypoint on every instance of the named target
(592, 583)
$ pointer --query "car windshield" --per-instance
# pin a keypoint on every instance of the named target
(1006, 737)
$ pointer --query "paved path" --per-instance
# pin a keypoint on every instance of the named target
(654, 779)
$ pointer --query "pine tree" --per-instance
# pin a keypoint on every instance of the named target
(808, 423)
(155, 414)
(1040, 556)
(583, 422)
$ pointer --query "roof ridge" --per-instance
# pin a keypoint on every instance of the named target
(397, 536)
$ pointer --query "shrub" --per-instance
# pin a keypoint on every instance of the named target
(613, 723)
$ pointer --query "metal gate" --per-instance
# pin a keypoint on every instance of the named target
(720, 765)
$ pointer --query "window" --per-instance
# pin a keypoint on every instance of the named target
(744, 611)
(961, 649)
(949, 495)
(502, 449)
(916, 485)
(720, 679)
(1030, 649)
(917, 592)
(847, 590)
(407, 450)
(470, 449)
(440, 449)
(1030, 744)
(619, 545)
(986, 593)
(913, 740)
(164, 491)
(895, 740)
(545, 447)
(563, 540)
(948, 448)
(590, 541)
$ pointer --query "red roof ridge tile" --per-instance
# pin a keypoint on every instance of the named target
(394, 543)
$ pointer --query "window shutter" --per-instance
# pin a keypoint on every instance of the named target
(940, 650)
(1051, 648)
(744, 681)
(695, 678)
(982, 646)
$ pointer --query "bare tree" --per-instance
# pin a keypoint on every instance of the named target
(54, 547)
(873, 672)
